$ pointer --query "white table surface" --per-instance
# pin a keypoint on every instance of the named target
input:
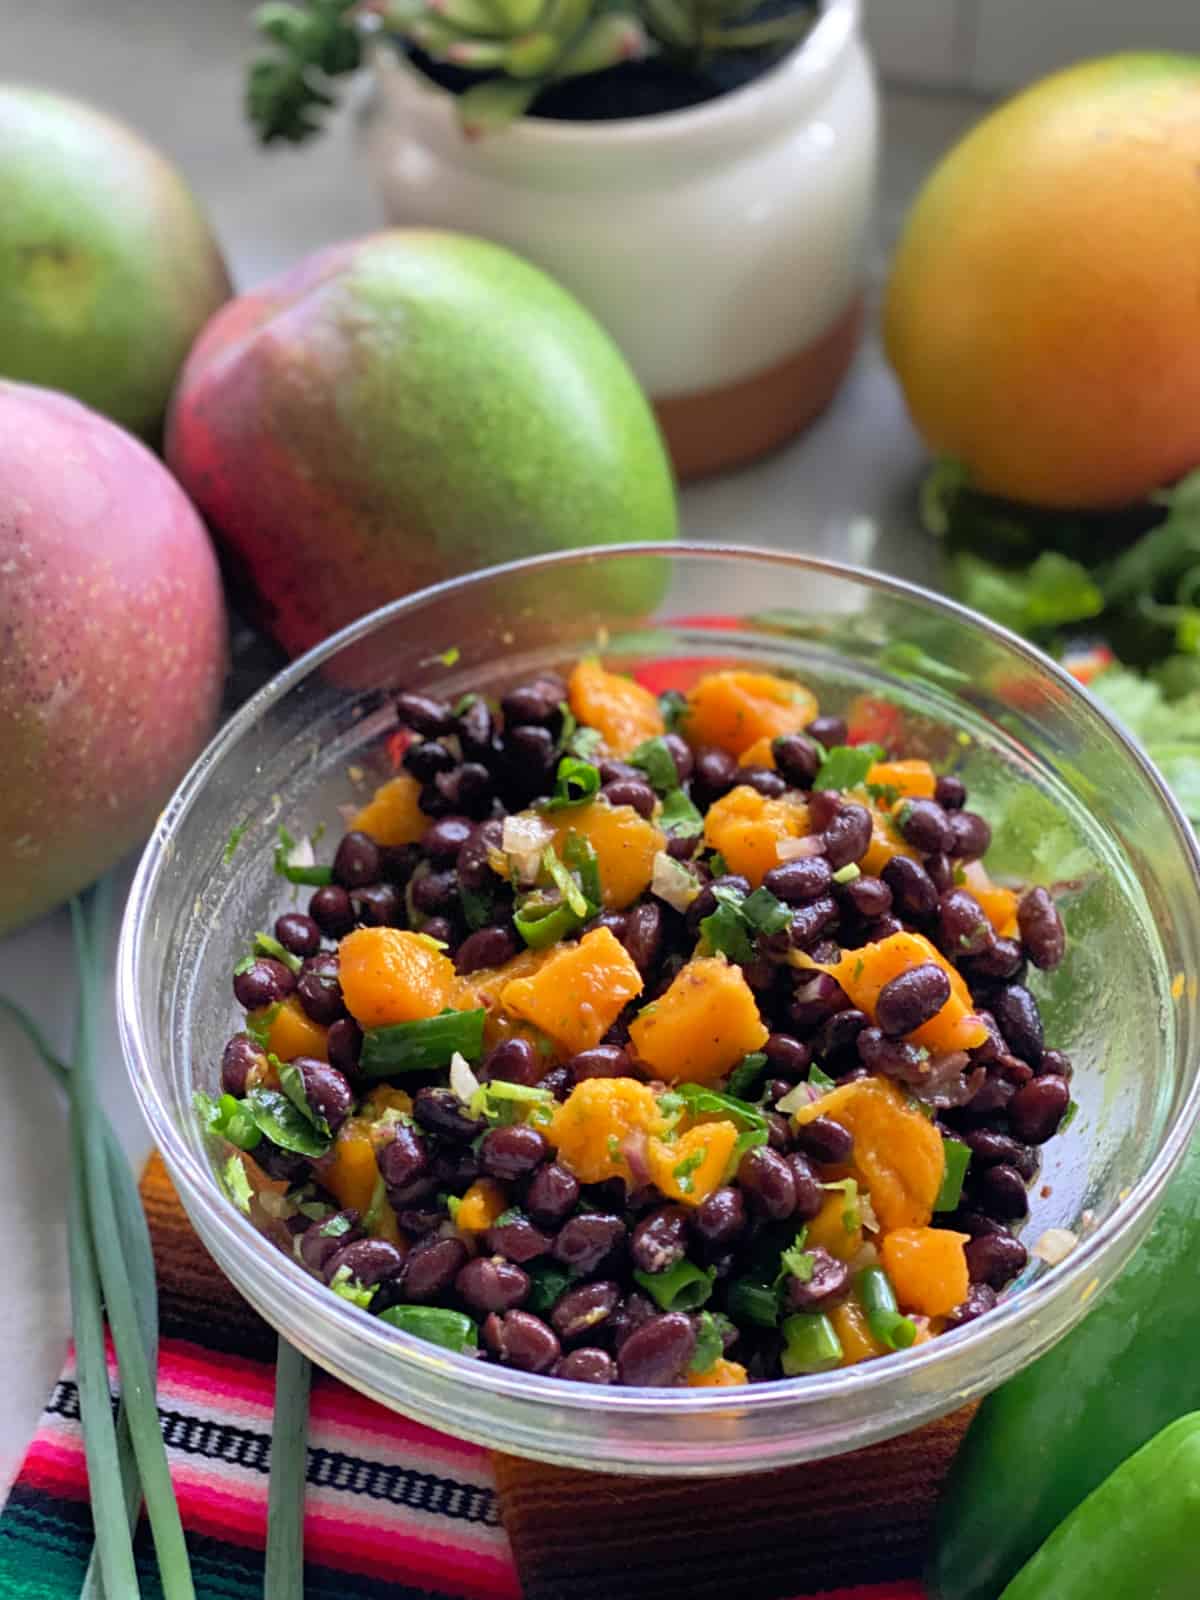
(174, 70)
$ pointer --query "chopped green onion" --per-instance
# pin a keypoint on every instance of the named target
(542, 923)
(566, 883)
(957, 1159)
(846, 766)
(499, 1101)
(848, 873)
(419, 1046)
(580, 855)
(453, 1330)
(654, 758)
(1071, 1113)
(266, 944)
(751, 1301)
(228, 1119)
(348, 1288)
(259, 1024)
(709, 1343)
(317, 876)
(283, 1573)
(582, 742)
(851, 1214)
(683, 1287)
(548, 1285)
(701, 1101)
(276, 1117)
(819, 1079)
(747, 1075)
(810, 1344)
(875, 1293)
(673, 708)
(576, 782)
(678, 816)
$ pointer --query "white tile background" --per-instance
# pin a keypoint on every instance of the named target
(993, 45)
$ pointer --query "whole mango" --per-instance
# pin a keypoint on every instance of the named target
(113, 632)
(108, 269)
(402, 408)
(1043, 313)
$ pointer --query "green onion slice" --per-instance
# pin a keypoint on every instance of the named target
(453, 1330)
(683, 1287)
(810, 1344)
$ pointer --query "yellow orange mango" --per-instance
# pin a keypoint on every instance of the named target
(928, 1269)
(735, 708)
(695, 1164)
(389, 975)
(393, 816)
(898, 1155)
(624, 842)
(702, 1026)
(590, 1127)
(863, 973)
(577, 995)
(747, 829)
(623, 711)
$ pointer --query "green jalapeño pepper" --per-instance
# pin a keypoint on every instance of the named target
(1043, 1442)
(1133, 1538)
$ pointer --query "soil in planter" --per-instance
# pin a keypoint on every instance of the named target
(645, 88)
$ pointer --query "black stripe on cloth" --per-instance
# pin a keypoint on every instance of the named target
(327, 1469)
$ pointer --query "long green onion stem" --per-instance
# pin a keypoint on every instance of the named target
(894, 1332)
(810, 1344)
(283, 1577)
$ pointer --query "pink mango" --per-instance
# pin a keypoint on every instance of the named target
(112, 645)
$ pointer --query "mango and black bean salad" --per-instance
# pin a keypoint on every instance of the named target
(674, 1040)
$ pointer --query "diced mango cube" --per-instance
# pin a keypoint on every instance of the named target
(702, 1026)
(590, 1128)
(733, 709)
(625, 713)
(696, 1164)
(293, 1033)
(579, 993)
(747, 829)
(393, 815)
(928, 1269)
(390, 975)
(898, 1154)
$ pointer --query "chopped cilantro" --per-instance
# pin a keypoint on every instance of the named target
(747, 1075)
(678, 816)
(819, 1079)
(710, 1344)
(237, 1183)
(673, 708)
(349, 1288)
(235, 838)
(614, 1150)
(682, 1172)
(1071, 1113)
(846, 766)
(851, 1215)
(883, 794)
(654, 758)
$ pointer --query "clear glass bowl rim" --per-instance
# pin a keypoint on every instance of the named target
(312, 1301)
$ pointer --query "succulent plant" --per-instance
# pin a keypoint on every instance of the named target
(519, 47)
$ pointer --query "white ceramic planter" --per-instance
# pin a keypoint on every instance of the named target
(722, 246)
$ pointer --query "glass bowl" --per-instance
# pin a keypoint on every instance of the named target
(1072, 802)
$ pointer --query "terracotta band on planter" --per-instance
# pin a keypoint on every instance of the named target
(714, 429)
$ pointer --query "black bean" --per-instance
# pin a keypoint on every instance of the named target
(322, 1240)
(529, 757)
(682, 848)
(488, 1285)
(767, 1183)
(399, 862)
(714, 774)
(441, 929)
(522, 1341)
(1000, 1192)
(439, 1110)
(368, 1260)
(425, 758)
(433, 802)
(619, 771)
(924, 825)
(319, 989)
(533, 703)
(972, 835)
(330, 908)
(913, 893)
(423, 714)
(825, 1140)
(815, 998)
(894, 1058)
(326, 1090)
(800, 881)
(1019, 1020)
(513, 1060)
(829, 1283)
(681, 755)
(417, 1222)
(763, 780)
(404, 1158)
(432, 1266)
(991, 1149)
(868, 897)
(1054, 1061)
(995, 1259)
(476, 729)
(587, 1365)
(657, 1353)
(356, 861)
(839, 1033)
(659, 1239)
(513, 1152)
(963, 927)
(787, 1056)
(822, 808)
(634, 1310)
(810, 1193)
(557, 1082)
(468, 790)
(643, 936)
(298, 933)
(1014, 1071)
(242, 1061)
(811, 921)
(848, 837)
(941, 872)
(706, 901)
(828, 731)
(1041, 928)
(587, 1306)
(473, 863)
(518, 1240)
(279, 1163)
(778, 1133)
(911, 999)
(991, 1097)
(881, 928)
(633, 792)
(601, 1061)
(1035, 1111)
(433, 892)
(1000, 961)
(981, 1297)
(379, 905)
(551, 1194)
(720, 1218)
(950, 792)
(586, 1241)
(454, 1168)
(265, 983)
(797, 759)
(443, 839)
(486, 947)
